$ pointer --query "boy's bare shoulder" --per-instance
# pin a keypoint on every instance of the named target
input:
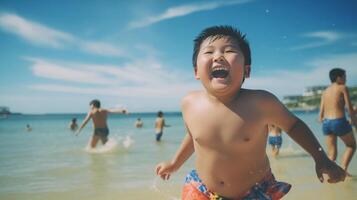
(257, 94)
(262, 99)
(191, 97)
(342, 87)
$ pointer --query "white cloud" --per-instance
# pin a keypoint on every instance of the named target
(325, 35)
(34, 32)
(101, 48)
(290, 82)
(139, 72)
(324, 38)
(160, 92)
(42, 35)
(144, 78)
(183, 10)
(65, 72)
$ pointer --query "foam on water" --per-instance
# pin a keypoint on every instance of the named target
(128, 142)
(109, 146)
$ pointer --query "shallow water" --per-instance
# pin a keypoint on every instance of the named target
(51, 163)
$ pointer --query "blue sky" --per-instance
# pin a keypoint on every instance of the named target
(56, 56)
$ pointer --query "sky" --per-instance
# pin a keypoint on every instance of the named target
(56, 56)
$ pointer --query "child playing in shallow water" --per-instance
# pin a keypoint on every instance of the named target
(275, 139)
(99, 118)
(227, 127)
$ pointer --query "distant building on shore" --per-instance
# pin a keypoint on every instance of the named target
(310, 99)
(4, 111)
(292, 99)
(314, 90)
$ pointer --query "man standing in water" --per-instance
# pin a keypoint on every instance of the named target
(332, 113)
(159, 125)
(99, 119)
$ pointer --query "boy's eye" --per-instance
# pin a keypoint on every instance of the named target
(231, 51)
(208, 52)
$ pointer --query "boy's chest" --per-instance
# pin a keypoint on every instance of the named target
(224, 126)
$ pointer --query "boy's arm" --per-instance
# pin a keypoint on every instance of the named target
(184, 152)
(321, 113)
(277, 113)
(166, 125)
(349, 106)
(85, 121)
(164, 169)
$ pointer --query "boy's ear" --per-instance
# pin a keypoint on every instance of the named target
(247, 71)
(196, 75)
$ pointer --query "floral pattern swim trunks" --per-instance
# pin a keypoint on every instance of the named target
(266, 189)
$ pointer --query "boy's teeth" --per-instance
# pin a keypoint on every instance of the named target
(220, 72)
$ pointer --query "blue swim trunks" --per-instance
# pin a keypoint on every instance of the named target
(275, 141)
(158, 136)
(338, 127)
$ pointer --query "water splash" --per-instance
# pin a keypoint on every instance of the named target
(109, 146)
(128, 142)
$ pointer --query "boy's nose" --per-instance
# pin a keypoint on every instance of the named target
(218, 58)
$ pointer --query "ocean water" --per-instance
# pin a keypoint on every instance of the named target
(50, 162)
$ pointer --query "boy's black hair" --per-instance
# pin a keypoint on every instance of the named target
(336, 72)
(95, 103)
(160, 113)
(218, 32)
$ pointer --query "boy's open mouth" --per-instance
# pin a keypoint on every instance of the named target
(219, 72)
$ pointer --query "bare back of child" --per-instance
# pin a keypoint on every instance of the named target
(335, 125)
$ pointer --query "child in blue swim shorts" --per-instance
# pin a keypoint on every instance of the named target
(275, 139)
(334, 100)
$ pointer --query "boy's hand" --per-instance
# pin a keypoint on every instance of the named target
(165, 169)
(335, 173)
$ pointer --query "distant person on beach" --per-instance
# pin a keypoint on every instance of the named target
(227, 127)
(159, 125)
(334, 100)
(99, 119)
(275, 139)
(73, 124)
(139, 123)
(28, 128)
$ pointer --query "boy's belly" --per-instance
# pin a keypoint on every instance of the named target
(231, 178)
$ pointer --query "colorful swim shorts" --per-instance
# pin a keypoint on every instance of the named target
(266, 189)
